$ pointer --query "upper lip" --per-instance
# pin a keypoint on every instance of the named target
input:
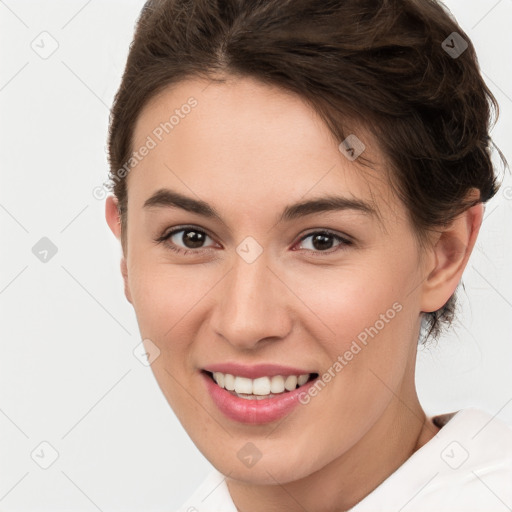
(255, 371)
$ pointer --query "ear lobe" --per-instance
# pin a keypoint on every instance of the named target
(451, 254)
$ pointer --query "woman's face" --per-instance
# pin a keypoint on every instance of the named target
(262, 292)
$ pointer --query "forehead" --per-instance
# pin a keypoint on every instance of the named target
(250, 139)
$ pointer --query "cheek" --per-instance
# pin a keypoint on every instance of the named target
(364, 321)
(374, 318)
(169, 302)
(348, 301)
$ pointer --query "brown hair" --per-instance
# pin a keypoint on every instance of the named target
(381, 63)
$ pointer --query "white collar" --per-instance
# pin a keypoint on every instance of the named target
(466, 466)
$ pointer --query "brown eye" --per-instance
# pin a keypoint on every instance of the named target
(191, 238)
(185, 239)
(322, 241)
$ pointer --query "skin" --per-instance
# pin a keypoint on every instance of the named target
(249, 150)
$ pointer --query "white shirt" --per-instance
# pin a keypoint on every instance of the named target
(465, 467)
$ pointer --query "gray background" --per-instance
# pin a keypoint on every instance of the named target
(68, 375)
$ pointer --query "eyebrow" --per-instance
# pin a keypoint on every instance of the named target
(166, 198)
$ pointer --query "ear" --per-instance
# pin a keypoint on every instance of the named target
(112, 216)
(114, 222)
(449, 257)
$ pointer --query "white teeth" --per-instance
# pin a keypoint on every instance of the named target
(219, 378)
(277, 384)
(260, 387)
(302, 380)
(229, 382)
(291, 382)
(243, 385)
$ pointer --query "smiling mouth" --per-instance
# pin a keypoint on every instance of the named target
(262, 387)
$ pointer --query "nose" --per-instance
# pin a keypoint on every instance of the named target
(251, 308)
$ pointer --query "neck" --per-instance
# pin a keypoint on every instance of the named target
(401, 430)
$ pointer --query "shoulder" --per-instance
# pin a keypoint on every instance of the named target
(480, 431)
(465, 467)
(475, 449)
(480, 441)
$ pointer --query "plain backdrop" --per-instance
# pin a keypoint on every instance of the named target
(68, 375)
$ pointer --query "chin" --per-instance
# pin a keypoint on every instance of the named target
(250, 462)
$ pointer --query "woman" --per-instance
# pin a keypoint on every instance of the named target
(298, 186)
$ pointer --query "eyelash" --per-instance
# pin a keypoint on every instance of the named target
(344, 242)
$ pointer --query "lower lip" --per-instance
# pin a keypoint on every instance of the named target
(254, 411)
